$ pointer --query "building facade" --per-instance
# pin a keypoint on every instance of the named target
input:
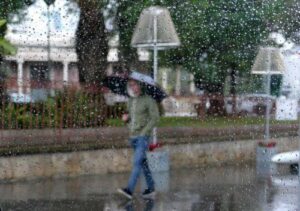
(46, 58)
(35, 67)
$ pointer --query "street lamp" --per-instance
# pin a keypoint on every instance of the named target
(269, 61)
(155, 31)
(49, 3)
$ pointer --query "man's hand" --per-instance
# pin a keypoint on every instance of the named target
(125, 117)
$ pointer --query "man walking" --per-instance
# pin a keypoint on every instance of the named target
(142, 118)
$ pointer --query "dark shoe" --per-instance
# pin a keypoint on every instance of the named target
(125, 192)
(148, 193)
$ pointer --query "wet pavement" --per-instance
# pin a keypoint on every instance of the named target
(222, 188)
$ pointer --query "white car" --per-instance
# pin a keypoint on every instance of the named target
(291, 158)
(249, 104)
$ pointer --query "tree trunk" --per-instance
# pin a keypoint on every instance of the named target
(92, 49)
(233, 90)
(91, 43)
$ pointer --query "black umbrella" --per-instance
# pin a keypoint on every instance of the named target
(118, 85)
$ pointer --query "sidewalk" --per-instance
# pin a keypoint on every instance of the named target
(225, 188)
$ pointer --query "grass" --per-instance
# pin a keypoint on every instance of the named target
(216, 122)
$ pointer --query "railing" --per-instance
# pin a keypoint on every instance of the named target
(66, 108)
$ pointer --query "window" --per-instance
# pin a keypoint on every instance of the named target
(39, 73)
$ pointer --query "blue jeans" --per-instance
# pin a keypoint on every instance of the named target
(140, 146)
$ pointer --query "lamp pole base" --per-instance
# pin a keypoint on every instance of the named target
(264, 153)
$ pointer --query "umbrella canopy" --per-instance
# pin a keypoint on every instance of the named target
(118, 85)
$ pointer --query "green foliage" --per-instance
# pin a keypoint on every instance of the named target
(215, 35)
(2, 22)
(209, 122)
(49, 2)
(8, 7)
(6, 48)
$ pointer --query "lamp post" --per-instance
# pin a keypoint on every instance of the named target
(268, 62)
(49, 3)
(155, 31)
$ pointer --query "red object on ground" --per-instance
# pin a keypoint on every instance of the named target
(267, 144)
(154, 146)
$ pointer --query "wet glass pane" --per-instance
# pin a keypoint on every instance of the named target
(149, 105)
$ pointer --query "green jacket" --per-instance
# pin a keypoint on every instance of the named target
(143, 114)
